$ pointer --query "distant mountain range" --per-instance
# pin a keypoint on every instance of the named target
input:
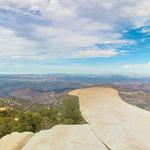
(44, 89)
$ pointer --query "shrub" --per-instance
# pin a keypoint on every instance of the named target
(43, 118)
(70, 111)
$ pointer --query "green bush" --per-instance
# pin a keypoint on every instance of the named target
(70, 111)
(43, 118)
(30, 121)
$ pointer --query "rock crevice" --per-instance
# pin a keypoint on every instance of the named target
(112, 125)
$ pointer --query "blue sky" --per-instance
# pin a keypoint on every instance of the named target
(55, 36)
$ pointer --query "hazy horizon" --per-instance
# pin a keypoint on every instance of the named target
(79, 74)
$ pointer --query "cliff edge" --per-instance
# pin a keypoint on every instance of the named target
(112, 125)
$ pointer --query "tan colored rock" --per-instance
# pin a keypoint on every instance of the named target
(65, 137)
(112, 125)
(15, 141)
(3, 109)
(118, 124)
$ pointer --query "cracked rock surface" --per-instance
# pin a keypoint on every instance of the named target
(65, 137)
(112, 125)
(15, 141)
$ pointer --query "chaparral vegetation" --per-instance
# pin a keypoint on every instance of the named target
(43, 117)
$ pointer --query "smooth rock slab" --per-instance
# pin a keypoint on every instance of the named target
(15, 141)
(119, 125)
(65, 137)
(112, 125)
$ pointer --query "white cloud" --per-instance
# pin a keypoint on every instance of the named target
(59, 39)
(138, 12)
(127, 66)
(146, 30)
(74, 25)
(98, 53)
(108, 12)
(13, 45)
(146, 65)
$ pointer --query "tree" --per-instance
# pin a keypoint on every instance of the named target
(6, 126)
(30, 121)
(70, 111)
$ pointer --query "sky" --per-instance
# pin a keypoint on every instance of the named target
(75, 37)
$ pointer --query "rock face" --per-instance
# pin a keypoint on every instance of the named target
(65, 137)
(15, 141)
(119, 125)
(112, 125)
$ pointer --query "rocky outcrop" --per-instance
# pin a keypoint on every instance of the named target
(112, 125)
(119, 125)
(65, 137)
(15, 141)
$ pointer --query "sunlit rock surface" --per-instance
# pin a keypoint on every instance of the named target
(119, 125)
(15, 141)
(65, 137)
(112, 125)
